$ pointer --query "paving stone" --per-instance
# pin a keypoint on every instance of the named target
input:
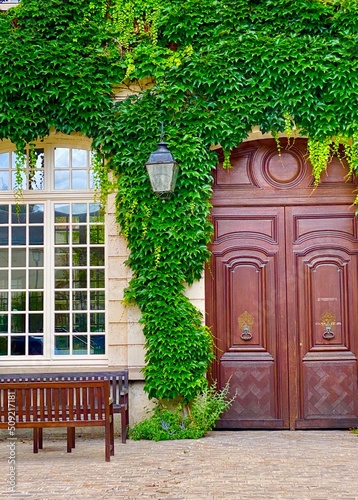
(232, 465)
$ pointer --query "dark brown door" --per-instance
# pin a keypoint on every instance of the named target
(282, 291)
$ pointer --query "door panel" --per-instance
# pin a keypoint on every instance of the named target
(281, 292)
(324, 263)
(249, 270)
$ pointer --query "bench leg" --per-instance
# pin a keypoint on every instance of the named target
(111, 431)
(124, 424)
(70, 439)
(35, 438)
(40, 438)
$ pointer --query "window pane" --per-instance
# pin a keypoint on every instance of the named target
(3, 301)
(79, 300)
(79, 179)
(96, 213)
(79, 344)
(79, 212)
(36, 279)
(62, 301)
(36, 301)
(4, 280)
(97, 344)
(97, 322)
(79, 322)
(36, 323)
(62, 212)
(18, 235)
(62, 157)
(79, 158)
(18, 214)
(18, 257)
(4, 323)
(18, 346)
(97, 300)
(4, 214)
(18, 279)
(97, 278)
(4, 160)
(3, 346)
(4, 180)
(18, 301)
(62, 235)
(36, 235)
(35, 345)
(96, 235)
(79, 235)
(62, 179)
(62, 278)
(79, 256)
(62, 322)
(62, 344)
(4, 235)
(97, 256)
(18, 323)
(62, 257)
(4, 257)
(36, 214)
(36, 257)
(79, 279)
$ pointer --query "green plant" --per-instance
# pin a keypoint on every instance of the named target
(212, 83)
(184, 422)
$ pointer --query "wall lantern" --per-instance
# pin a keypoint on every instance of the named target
(162, 169)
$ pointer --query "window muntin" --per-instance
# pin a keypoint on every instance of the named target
(52, 258)
(72, 169)
(22, 279)
(79, 279)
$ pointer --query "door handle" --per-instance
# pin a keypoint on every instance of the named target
(328, 334)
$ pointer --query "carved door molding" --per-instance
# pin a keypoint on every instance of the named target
(281, 291)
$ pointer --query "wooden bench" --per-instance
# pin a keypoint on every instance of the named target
(65, 403)
(119, 388)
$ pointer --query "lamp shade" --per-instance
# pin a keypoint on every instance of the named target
(162, 169)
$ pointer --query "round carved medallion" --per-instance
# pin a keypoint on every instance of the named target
(283, 171)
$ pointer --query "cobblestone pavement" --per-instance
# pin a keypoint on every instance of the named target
(234, 465)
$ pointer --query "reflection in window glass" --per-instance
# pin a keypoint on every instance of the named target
(62, 157)
(79, 179)
(79, 212)
(18, 301)
(79, 158)
(62, 179)
(62, 301)
(35, 345)
(18, 235)
(62, 278)
(97, 344)
(80, 344)
(3, 345)
(18, 279)
(4, 323)
(4, 257)
(4, 214)
(18, 347)
(62, 345)
(18, 322)
(18, 257)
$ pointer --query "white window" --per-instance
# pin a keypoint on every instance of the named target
(52, 257)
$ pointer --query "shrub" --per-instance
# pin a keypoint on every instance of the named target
(184, 422)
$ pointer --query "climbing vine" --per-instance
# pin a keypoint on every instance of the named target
(218, 68)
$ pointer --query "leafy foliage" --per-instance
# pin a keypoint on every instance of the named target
(181, 423)
(218, 68)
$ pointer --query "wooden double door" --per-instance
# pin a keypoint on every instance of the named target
(282, 291)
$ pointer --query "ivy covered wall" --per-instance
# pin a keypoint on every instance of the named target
(219, 68)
